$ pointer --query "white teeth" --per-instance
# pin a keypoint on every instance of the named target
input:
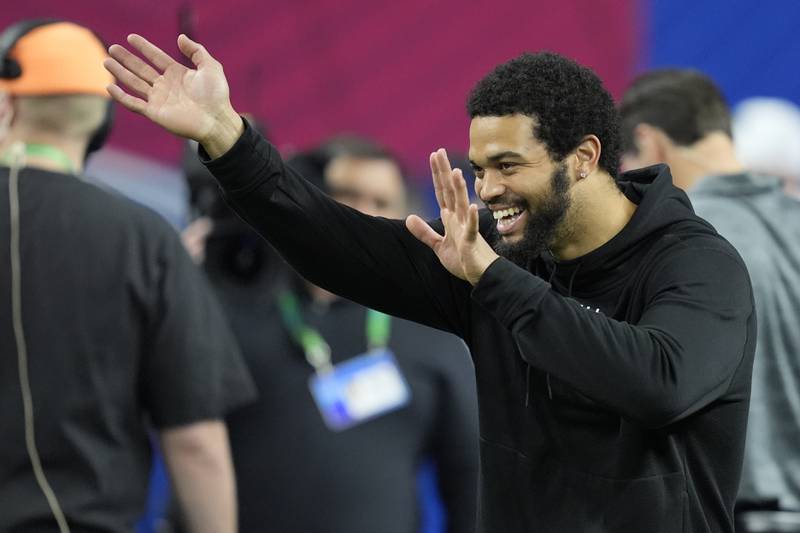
(506, 212)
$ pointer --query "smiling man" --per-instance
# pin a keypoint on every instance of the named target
(612, 330)
(526, 184)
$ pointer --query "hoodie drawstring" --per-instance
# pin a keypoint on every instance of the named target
(572, 279)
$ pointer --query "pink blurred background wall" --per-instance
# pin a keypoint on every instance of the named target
(396, 71)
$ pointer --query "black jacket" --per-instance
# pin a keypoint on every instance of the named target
(613, 398)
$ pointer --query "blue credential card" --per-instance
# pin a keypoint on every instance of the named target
(360, 389)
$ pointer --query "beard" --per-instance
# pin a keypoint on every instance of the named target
(542, 225)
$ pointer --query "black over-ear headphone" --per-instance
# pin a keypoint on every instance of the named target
(11, 69)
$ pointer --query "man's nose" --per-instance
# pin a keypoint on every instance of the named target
(490, 186)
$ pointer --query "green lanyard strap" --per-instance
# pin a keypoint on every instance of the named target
(317, 351)
(52, 153)
(379, 326)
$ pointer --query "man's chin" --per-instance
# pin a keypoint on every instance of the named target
(504, 241)
(512, 248)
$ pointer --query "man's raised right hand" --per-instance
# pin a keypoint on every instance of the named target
(192, 103)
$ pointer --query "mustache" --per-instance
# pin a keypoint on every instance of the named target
(508, 199)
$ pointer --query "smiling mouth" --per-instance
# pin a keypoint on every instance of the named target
(508, 219)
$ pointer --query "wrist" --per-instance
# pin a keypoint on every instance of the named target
(226, 129)
(482, 264)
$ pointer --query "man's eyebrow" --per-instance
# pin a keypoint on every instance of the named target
(508, 154)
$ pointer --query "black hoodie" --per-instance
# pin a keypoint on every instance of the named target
(613, 398)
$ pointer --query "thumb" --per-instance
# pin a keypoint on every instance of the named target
(423, 232)
(195, 51)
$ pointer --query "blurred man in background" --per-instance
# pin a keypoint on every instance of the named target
(680, 117)
(766, 135)
(294, 472)
(108, 329)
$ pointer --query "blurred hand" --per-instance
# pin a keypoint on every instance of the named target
(194, 238)
(192, 103)
(462, 251)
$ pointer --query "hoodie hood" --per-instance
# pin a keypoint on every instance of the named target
(660, 204)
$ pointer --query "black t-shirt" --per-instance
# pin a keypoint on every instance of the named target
(296, 475)
(123, 334)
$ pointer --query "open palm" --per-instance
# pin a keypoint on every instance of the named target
(187, 102)
(462, 250)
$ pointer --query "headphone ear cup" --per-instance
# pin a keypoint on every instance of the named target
(10, 69)
(100, 136)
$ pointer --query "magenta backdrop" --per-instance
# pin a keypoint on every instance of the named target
(397, 71)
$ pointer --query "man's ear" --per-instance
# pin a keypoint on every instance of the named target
(587, 156)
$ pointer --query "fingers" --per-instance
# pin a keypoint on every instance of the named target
(461, 198)
(423, 232)
(437, 186)
(440, 170)
(130, 80)
(154, 54)
(195, 51)
(451, 188)
(472, 223)
(443, 164)
(135, 65)
(137, 105)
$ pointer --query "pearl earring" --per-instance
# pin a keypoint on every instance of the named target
(583, 174)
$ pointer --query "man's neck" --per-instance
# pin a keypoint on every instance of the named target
(71, 153)
(600, 212)
(713, 155)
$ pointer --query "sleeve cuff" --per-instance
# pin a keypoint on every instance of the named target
(509, 292)
(241, 166)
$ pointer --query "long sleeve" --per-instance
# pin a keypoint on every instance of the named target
(680, 356)
(370, 260)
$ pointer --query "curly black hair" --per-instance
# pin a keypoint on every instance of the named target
(566, 100)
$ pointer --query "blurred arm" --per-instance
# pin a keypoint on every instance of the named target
(371, 260)
(199, 462)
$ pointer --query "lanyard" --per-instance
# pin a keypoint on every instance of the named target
(317, 351)
(52, 153)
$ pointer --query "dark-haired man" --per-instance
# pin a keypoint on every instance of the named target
(680, 117)
(614, 397)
